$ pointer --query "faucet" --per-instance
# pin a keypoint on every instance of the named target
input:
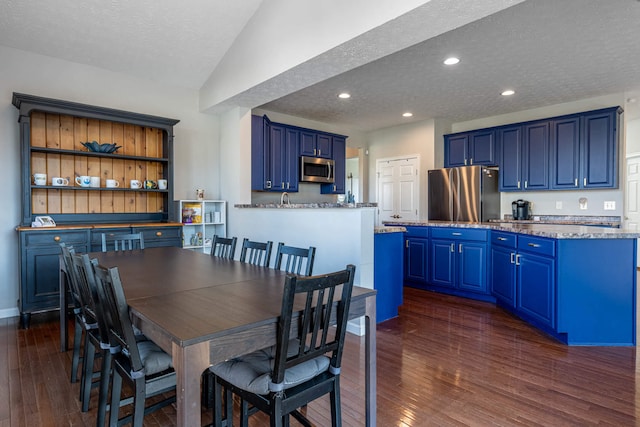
(282, 198)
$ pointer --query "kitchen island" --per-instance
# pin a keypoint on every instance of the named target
(576, 283)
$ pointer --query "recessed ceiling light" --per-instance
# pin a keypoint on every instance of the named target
(407, 114)
(451, 61)
(344, 95)
(508, 92)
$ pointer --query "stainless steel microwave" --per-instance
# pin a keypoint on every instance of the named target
(315, 169)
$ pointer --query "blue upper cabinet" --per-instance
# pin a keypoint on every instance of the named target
(584, 150)
(470, 148)
(274, 157)
(524, 157)
(314, 144)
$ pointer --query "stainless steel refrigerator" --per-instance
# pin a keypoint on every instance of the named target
(466, 194)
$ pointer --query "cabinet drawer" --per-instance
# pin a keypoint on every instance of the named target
(55, 237)
(537, 245)
(459, 233)
(504, 239)
(96, 235)
(160, 236)
(417, 232)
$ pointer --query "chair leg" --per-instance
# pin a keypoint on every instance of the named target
(244, 413)
(116, 389)
(77, 339)
(217, 404)
(87, 373)
(334, 397)
(138, 402)
(103, 395)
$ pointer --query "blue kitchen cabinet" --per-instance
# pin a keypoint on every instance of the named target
(416, 261)
(524, 157)
(274, 157)
(387, 275)
(458, 260)
(503, 268)
(470, 148)
(316, 144)
(339, 150)
(584, 150)
(536, 288)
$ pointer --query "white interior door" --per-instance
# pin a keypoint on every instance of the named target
(632, 197)
(398, 189)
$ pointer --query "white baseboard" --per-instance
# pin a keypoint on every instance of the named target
(9, 312)
(356, 326)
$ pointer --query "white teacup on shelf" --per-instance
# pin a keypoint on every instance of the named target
(40, 178)
(83, 180)
(134, 183)
(94, 182)
(112, 183)
(58, 181)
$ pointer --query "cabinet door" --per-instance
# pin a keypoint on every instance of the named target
(291, 163)
(510, 143)
(260, 153)
(503, 275)
(324, 145)
(456, 150)
(482, 148)
(416, 259)
(340, 166)
(277, 150)
(442, 265)
(307, 143)
(599, 150)
(565, 153)
(535, 170)
(536, 287)
(472, 266)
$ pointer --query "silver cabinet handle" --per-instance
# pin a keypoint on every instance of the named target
(518, 184)
(453, 247)
(518, 259)
(456, 234)
(584, 182)
(502, 238)
(406, 244)
(576, 182)
(471, 161)
(513, 257)
(526, 184)
(534, 245)
(460, 248)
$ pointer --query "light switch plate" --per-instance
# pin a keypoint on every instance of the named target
(610, 206)
(558, 205)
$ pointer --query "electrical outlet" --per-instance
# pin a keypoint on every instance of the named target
(558, 205)
(610, 206)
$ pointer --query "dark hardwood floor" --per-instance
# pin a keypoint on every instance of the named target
(444, 361)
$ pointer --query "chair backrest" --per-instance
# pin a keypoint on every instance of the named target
(67, 253)
(114, 304)
(292, 259)
(256, 253)
(325, 303)
(223, 247)
(83, 270)
(122, 242)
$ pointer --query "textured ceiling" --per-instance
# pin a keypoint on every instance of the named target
(548, 51)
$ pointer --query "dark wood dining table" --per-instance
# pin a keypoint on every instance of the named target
(203, 310)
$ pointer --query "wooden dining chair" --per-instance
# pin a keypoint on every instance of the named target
(223, 247)
(141, 363)
(97, 342)
(79, 324)
(295, 260)
(304, 364)
(256, 253)
(122, 242)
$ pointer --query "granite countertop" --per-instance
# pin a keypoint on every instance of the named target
(388, 229)
(305, 205)
(606, 221)
(554, 231)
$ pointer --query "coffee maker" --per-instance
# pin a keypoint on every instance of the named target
(521, 209)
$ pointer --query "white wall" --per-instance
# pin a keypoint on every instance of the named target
(411, 139)
(196, 136)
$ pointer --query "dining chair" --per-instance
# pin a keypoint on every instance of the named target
(223, 247)
(304, 364)
(97, 342)
(122, 242)
(79, 324)
(292, 259)
(256, 253)
(142, 364)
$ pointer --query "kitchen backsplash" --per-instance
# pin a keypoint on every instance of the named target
(565, 202)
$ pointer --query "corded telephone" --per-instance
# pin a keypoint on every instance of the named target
(43, 221)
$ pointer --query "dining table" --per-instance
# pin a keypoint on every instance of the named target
(203, 310)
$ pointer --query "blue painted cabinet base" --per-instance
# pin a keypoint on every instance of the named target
(388, 274)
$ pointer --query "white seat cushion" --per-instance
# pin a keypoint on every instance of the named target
(252, 372)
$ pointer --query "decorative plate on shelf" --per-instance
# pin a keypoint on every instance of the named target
(95, 147)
